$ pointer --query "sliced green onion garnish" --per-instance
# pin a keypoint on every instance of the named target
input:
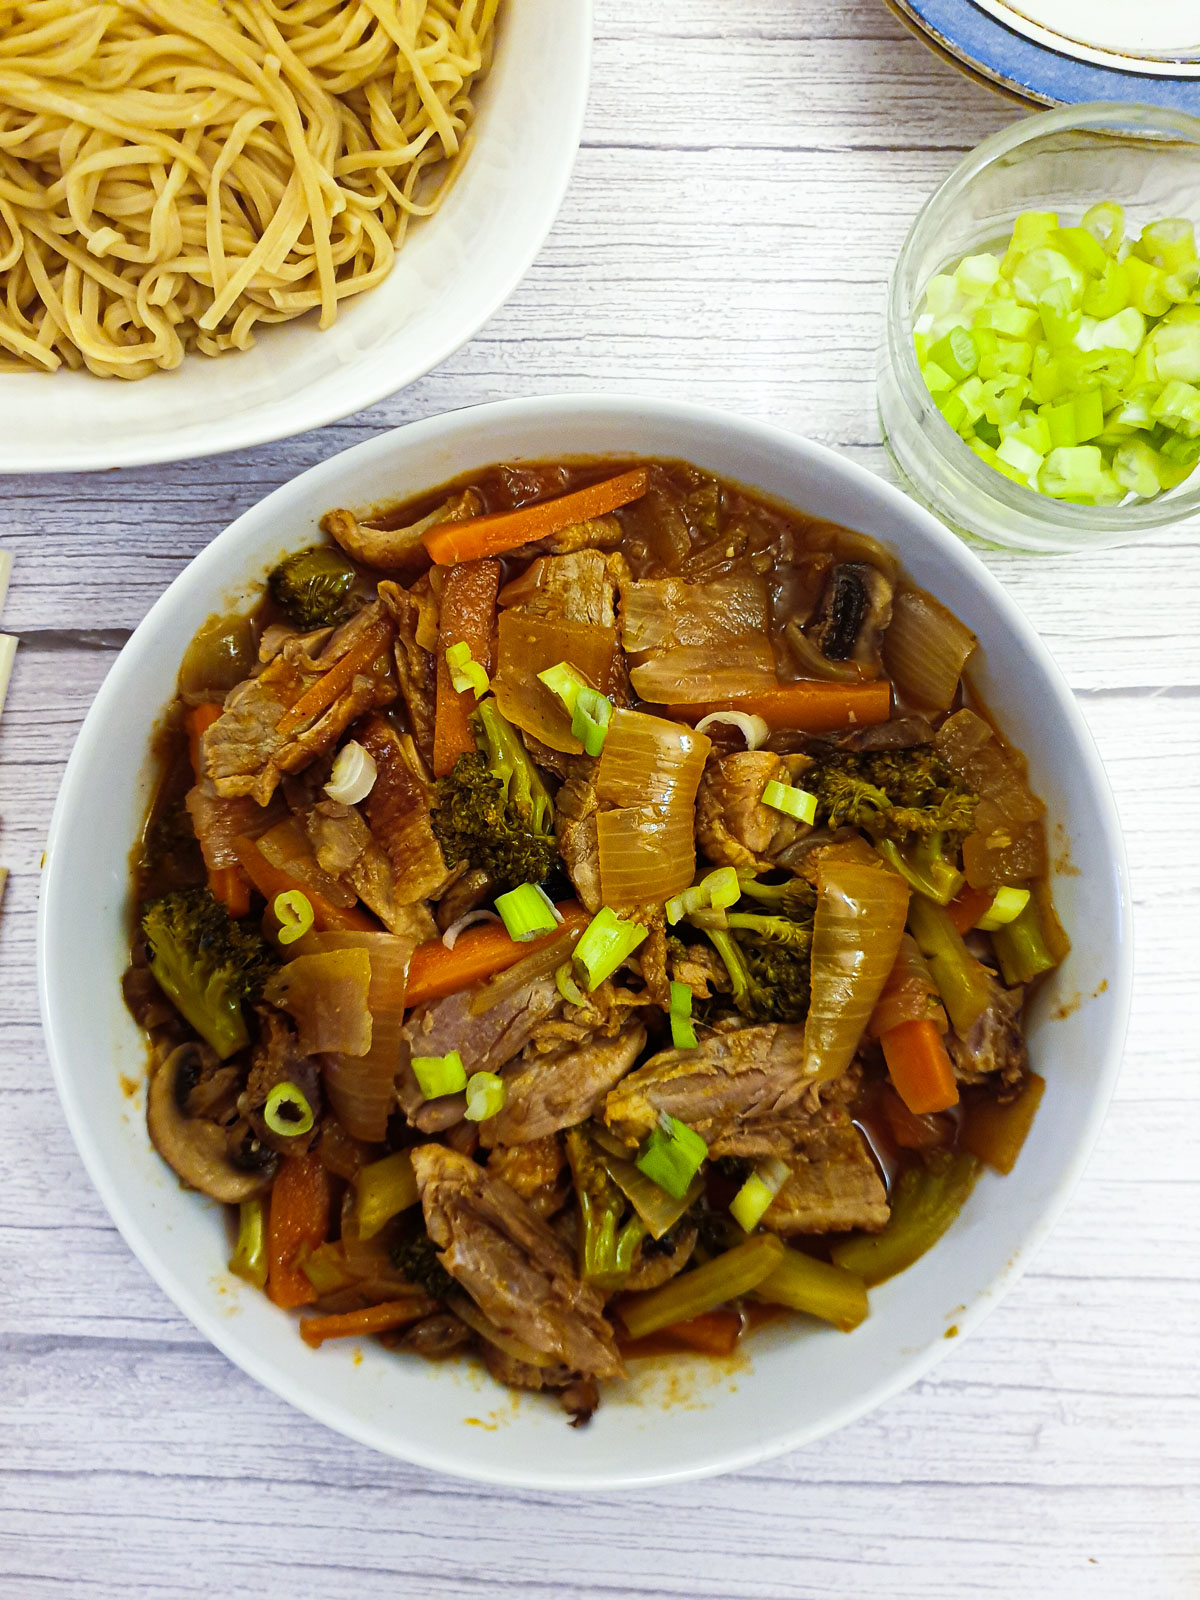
(485, 1096)
(287, 1111)
(294, 913)
(567, 987)
(750, 1203)
(465, 672)
(716, 891)
(249, 1259)
(439, 1075)
(683, 1034)
(604, 944)
(528, 912)
(590, 719)
(562, 680)
(792, 802)
(672, 1156)
(1008, 905)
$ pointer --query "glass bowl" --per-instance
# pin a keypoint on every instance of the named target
(1145, 158)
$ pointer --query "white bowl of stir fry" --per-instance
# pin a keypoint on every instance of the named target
(600, 930)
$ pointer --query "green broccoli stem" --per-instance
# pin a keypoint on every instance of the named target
(796, 898)
(924, 866)
(1021, 947)
(726, 947)
(962, 981)
(776, 930)
(508, 760)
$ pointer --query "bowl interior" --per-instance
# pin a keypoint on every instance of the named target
(793, 1383)
(454, 270)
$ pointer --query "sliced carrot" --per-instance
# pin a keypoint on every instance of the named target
(271, 880)
(448, 542)
(809, 705)
(714, 1332)
(922, 1073)
(371, 1319)
(995, 1133)
(968, 906)
(228, 884)
(301, 1205)
(318, 697)
(912, 1132)
(478, 953)
(468, 616)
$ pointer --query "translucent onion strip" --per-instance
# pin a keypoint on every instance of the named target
(646, 853)
(909, 995)
(450, 937)
(749, 724)
(925, 649)
(650, 761)
(857, 930)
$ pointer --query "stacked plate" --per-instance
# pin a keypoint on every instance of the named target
(1048, 52)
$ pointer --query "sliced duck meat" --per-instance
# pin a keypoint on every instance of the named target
(416, 667)
(218, 822)
(398, 812)
(556, 1091)
(994, 1049)
(512, 1263)
(256, 739)
(346, 849)
(600, 533)
(734, 1077)
(536, 1170)
(467, 892)
(834, 1183)
(485, 1042)
(852, 614)
(580, 587)
(733, 827)
(575, 808)
(376, 544)
(699, 967)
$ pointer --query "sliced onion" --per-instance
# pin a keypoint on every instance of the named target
(662, 613)
(925, 649)
(702, 674)
(857, 930)
(287, 848)
(538, 965)
(646, 853)
(650, 761)
(813, 664)
(327, 995)
(353, 776)
(749, 724)
(528, 645)
(467, 1311)
(909, 995)
(657, 1209)
(450, 937)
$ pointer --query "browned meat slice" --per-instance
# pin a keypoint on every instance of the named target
(575, 808)
(995, 1045)
(376, 544)
(346, 849)
(514, 1374)
(552, 1092)
(512, 1263)
(416, 667)
(834, 1183)
(485, 1043)
(245, 753)
(398, 809)
(277, 1058)
(537, 1171)
(574, 588)
(217, 822)
(698, 966)
(468, 891)
(733, 827)
(651, 958)
(601, 533)
(732, 1078)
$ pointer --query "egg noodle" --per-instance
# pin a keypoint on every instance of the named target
(174, 172)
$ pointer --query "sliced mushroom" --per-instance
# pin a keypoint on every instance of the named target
(377, 545)
(853, 612)
(196, 1148)
(660, 1259)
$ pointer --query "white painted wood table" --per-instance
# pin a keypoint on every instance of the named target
(748, 171)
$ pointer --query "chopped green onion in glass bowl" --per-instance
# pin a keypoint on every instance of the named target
(1040, 376)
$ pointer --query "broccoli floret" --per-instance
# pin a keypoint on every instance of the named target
(416, 1259)
(206, 964)
(493, 810)
(769, 974)
(606, 1245)
(314, 587)
(795, 898)
(890, 794)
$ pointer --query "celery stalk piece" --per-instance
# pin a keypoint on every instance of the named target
(1021, 948)
(924, 1205)
(802, 1283)
(1109, 293)
(382, 1189)
(1021, 456)
(692, 1293)
(961, 981)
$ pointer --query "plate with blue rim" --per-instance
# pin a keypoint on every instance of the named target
(1062, 52)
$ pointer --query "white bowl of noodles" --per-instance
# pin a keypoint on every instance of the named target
(674, 1417)
(517, 123)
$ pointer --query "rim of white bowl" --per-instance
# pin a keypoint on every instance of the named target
(204, 570)
(343, 395)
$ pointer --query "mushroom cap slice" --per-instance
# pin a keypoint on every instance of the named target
(193, 1146)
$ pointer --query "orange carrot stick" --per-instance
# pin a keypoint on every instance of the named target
(922, 1073)
(714, 1332)
(809, 705)
(301, 1203)
(478, 953)
(371, 1319)
(468, 616)
(320, 696)
(968, 906)
(271, 880)
(448, 542)
(228, 885)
